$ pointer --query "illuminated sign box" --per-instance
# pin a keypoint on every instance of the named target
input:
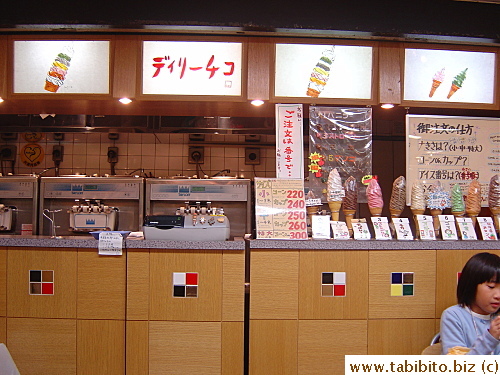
(449, 76)
(61, 67)
(323, 71)
(191, 68)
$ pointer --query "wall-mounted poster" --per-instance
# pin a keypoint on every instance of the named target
(61, 67)
(323, 71)
(191, 68)
(452, 150)
(449, 76)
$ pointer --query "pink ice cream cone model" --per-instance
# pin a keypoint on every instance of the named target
(374, 197)
(437, 79)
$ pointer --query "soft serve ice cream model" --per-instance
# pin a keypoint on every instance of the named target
(374, 197)
(335, 193)
(58, 70)
(437, 79)
(321, 73)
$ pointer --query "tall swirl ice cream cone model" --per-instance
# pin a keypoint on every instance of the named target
(58, 70)
(437, 79)
(417, 204)
(350, 201)
(494, 199)
(437, 201)
(457, 203)
(457, 82)
(398, 197)
(321, 73)
(335, 192)
(473, 201)
(374, 198)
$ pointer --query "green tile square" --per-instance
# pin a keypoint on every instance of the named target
(407, 290)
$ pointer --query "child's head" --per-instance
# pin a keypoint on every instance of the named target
(480, 268)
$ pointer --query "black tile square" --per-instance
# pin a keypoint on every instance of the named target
(327, 278)
(35, 276)
(179, 291)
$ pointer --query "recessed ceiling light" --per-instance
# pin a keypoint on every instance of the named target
(387, 105)
(257, 102)
(125, 100)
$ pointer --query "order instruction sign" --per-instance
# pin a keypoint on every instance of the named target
(280, 209)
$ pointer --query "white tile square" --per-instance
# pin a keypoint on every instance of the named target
(339, 277)
(179, 278)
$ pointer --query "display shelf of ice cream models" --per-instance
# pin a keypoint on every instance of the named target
(424, 200)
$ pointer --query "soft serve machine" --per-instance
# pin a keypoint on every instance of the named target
(18, 204)
(197, 209)
(79, 205)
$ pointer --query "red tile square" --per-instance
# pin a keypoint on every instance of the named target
(47, 288)
(191, 278)
(339, 290)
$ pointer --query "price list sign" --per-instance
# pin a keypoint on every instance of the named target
(280, 209)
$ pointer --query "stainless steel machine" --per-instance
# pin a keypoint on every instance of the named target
(78, 205)
(18, 204)
(195, 207)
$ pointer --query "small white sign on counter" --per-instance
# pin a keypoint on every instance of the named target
(487, 228)
(381, 227)
(320, 227)
(360, 229)
(466, 227)
(426, 227)
(448, 227)
(110, 243)
(403, 230)
(340, 230)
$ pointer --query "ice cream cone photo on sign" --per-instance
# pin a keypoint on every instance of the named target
(58, 70)
(437, 79)
(457, 83)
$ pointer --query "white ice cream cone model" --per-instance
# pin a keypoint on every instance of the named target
(335, 192)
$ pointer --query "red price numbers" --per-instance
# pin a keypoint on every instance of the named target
(298, 235)
(295, 194)
(296, 215)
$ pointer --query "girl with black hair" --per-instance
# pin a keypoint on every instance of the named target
(473, 323)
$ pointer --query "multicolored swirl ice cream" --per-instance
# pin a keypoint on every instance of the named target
(321, 73)
(58, 70)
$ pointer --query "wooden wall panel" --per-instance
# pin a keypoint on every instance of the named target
(101, 347)
(101, 285)
(273, 347)
(274, 279)
(449, 263)
(400, 336)
(422, 304)
(323, 344)
(3, 329)
(137, 351)
(196, 348)
(207, 306)
(4, 55)
(260, 55)
(233, 288)
(390, 64)
(312, 305)
(126, 60)
(60, 305)
(42, 346)
(232, 348)
(137, 285)
(3, 281)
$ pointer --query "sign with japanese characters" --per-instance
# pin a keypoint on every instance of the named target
(323, 71)
(289, 141)
(61, 67)
(433, 75)
(191, 68)
(452, 150)
(339, 138)
(280, 209)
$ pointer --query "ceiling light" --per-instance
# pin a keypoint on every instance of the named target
(257, 102)
(125, 100)
(387, 105)
(1, 100)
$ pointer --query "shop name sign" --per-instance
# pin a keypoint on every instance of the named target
(61, 67)
(191, 68)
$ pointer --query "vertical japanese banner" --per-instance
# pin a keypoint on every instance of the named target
(339, 138)
(280, 209)
(289, 141)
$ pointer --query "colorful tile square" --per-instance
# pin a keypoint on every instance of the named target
(41, 282)
(402, 284)
(185, 284)
(333, 284)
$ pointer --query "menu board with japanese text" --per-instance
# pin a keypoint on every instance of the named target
(280, 209)
(61, 67)
(289, 141)
(452, 150)
(191, 68)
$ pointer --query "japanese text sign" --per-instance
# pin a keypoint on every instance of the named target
(61, 67)
(339, 138)
(280, 209)
(289, 141)
(452, 150)
(191, 68)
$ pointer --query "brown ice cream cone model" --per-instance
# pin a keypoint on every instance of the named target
(494, 200)
(415, 212)
(335, 209)
(376, 211)
(435, 85)
(349, 215)
(473, 201)
(435, 219)
(495, 212)
(350, 201)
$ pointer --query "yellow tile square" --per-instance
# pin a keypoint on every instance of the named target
(396, 290)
